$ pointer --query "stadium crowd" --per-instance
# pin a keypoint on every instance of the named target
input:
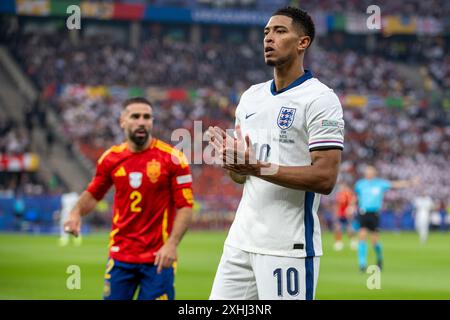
(425, 52)
(402, 142)
(168, 63)
(435, 8)
(14, 139)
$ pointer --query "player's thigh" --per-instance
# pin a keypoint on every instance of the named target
(234, 278)
(286, 278)
(369, 221)
(156, 286)
(374, 222)
(336, 224)
(343, 223)
(421, 222)
(121, 281)
(363, 220)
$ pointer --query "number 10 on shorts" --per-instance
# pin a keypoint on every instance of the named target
(288, 279)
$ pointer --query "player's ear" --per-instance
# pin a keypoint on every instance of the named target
(303, 43)
(122, 120)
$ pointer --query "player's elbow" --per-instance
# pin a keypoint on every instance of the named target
(325, 190)
(188, 214)
(326, 185)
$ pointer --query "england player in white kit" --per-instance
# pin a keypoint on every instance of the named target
(296, 134)
(423, 207)
(68, 201)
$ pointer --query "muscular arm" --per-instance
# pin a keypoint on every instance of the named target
(238, 157)
(319, 177)
(181, 224)
(85, 204)
(167, 254)
(400, 184)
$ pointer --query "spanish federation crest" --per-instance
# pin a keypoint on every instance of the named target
(153, 170)
(286, 118)
(135, 179)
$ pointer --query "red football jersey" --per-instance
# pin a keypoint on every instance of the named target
(149, 187)
(343, 200)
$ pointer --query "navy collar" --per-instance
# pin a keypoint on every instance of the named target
(307, 75)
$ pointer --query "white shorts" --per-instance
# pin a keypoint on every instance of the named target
(243, 275)
(422, 221)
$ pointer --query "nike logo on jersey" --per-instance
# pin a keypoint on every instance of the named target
(249, 115)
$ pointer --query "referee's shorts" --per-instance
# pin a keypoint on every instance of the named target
(369, 220)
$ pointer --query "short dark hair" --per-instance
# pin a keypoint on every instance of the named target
(129, 101)
(300, 18)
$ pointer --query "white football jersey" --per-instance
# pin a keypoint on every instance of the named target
(423, 205)
(68, 202)
(284, 127)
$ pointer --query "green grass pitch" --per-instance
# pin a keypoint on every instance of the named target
(34, 267)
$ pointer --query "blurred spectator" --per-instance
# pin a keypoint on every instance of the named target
(19, 211)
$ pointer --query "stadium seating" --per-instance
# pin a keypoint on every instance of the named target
(403, 127)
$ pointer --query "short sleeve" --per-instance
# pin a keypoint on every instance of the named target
(386, 185)
(325, 123)
(237, 120)
(358, 187)
(101, 182)
(181, 183)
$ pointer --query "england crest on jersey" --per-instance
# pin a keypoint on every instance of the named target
(135, 179)
(286, 118)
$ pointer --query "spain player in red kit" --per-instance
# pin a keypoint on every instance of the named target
(152, 208)
(345, 208)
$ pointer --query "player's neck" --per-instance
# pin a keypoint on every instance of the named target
(286, 74)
